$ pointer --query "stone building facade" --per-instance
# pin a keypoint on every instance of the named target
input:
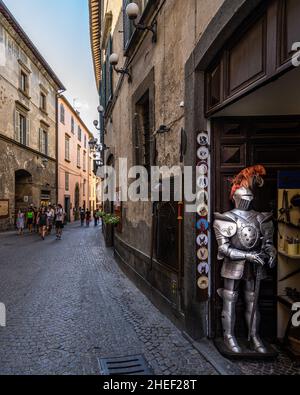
(210, 92)
(76, 180)
(28, 108)
(137, 110)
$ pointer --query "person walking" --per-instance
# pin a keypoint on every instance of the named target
(50, 214)
(59, 223)
(88, 218)
(42, 222)
(30, 218)
(96, 218)
(82, 217)
(20, 222)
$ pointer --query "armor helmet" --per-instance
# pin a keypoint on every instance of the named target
(243, 198)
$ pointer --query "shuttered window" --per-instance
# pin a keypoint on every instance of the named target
(43, 141)
(128, 25)
(106, 88)
(22, 128)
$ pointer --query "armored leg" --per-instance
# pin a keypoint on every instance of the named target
(229, 296)
(249, 300)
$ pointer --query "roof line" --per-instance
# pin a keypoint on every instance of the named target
(66, 101)
(95, 35)
(19, 30)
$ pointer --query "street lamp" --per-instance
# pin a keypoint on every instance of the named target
(133, 11)
(114, 60)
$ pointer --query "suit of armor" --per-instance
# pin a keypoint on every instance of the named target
(245, 240)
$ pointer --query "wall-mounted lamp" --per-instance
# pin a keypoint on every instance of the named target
(114, 60)
(133, 11)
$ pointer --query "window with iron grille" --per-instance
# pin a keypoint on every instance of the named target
(143, 133)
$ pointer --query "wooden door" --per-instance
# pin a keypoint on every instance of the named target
(238, 143)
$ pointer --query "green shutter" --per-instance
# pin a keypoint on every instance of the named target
(128, 26)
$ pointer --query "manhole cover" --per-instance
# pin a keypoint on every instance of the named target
(134, 365)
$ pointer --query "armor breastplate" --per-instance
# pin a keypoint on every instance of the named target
(248, 236)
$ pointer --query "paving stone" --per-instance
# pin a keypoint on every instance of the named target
(68, 303)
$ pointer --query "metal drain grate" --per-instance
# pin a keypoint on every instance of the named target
(134, 365)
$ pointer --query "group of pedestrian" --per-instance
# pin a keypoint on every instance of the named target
(86, 217)
(41, 220)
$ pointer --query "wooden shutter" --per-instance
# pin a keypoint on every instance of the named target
(109, 71)
(46, 142)
(27, 132)
(40, 140)
(17, 126)
(128, 26)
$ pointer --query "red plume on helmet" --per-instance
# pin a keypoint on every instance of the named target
(247, 178)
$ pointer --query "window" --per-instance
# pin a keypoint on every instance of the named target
(24, 82)
(43, 141)
(79, 133)
(43, 102)
(84, 161)
(85, 141)
(142, 133)
(106, 87)
(67, 148)
(67, 181)
(62, 113)
(128, 25)
(84, 187)
(78, 155)
(72, 125)
(21, 128)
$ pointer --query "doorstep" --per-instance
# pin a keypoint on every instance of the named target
(207, 349)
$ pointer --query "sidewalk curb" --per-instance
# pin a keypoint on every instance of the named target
(222, 365)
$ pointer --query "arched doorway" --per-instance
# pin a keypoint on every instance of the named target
(23, 190)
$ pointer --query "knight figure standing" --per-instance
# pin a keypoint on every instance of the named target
(245, 243)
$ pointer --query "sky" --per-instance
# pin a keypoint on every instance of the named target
(60, 31)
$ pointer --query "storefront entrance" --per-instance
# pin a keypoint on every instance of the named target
(240, 142)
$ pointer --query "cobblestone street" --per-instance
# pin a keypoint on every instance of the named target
(69, 304)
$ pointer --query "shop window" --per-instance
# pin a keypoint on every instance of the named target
(232, 155)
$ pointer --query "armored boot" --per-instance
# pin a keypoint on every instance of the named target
(228, 319)
(255, 339)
